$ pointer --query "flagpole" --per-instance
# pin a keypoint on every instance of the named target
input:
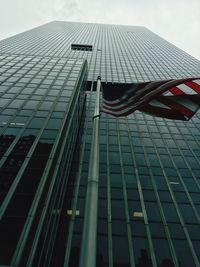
(89, 237)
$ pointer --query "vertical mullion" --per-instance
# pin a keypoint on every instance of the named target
(182, 180)
(130, 244)
(177, 207)
(109, 211)
(152, 253)
(175, 202)
(26, 161)
(30, 218)
(78, 179)
(172, 250)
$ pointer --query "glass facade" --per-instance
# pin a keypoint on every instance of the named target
(149, 184)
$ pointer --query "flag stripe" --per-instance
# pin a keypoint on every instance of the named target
(145, 90)
(178, 98)
(194, 86)
(157, 103)
(186, 89)
(162, 112)
(197, 81)
(176, 91)
(138, 96)
(144, 98)
(178, 106)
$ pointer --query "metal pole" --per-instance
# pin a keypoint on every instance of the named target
(89, 237)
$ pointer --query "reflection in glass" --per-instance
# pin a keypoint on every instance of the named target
(144, 260)
(141, 252)
(17, 211)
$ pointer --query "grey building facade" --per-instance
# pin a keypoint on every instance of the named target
(149, 184)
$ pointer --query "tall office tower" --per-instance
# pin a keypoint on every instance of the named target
(149, 173)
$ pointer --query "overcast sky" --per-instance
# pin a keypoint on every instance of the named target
(178, 21)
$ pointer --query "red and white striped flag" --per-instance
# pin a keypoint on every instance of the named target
(172, 99)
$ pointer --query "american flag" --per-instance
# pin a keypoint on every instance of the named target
(172, 99)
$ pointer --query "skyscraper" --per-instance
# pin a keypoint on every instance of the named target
(149, 175)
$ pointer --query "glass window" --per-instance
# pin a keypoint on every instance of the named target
(3, 102)
(118, 209)
(31, 104)
(102, 251)
(102, 208)
(149, 195)
(49, 134)
(37, 123)
(183, 253)
(117, 193)
(46, 105)
(54, 124)
(163, 255)
(119, 228)
(176, 231)
(170, 212)
(138, 228)
(152, 211)
(120, 251)
(187, 213)
(141, 252)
